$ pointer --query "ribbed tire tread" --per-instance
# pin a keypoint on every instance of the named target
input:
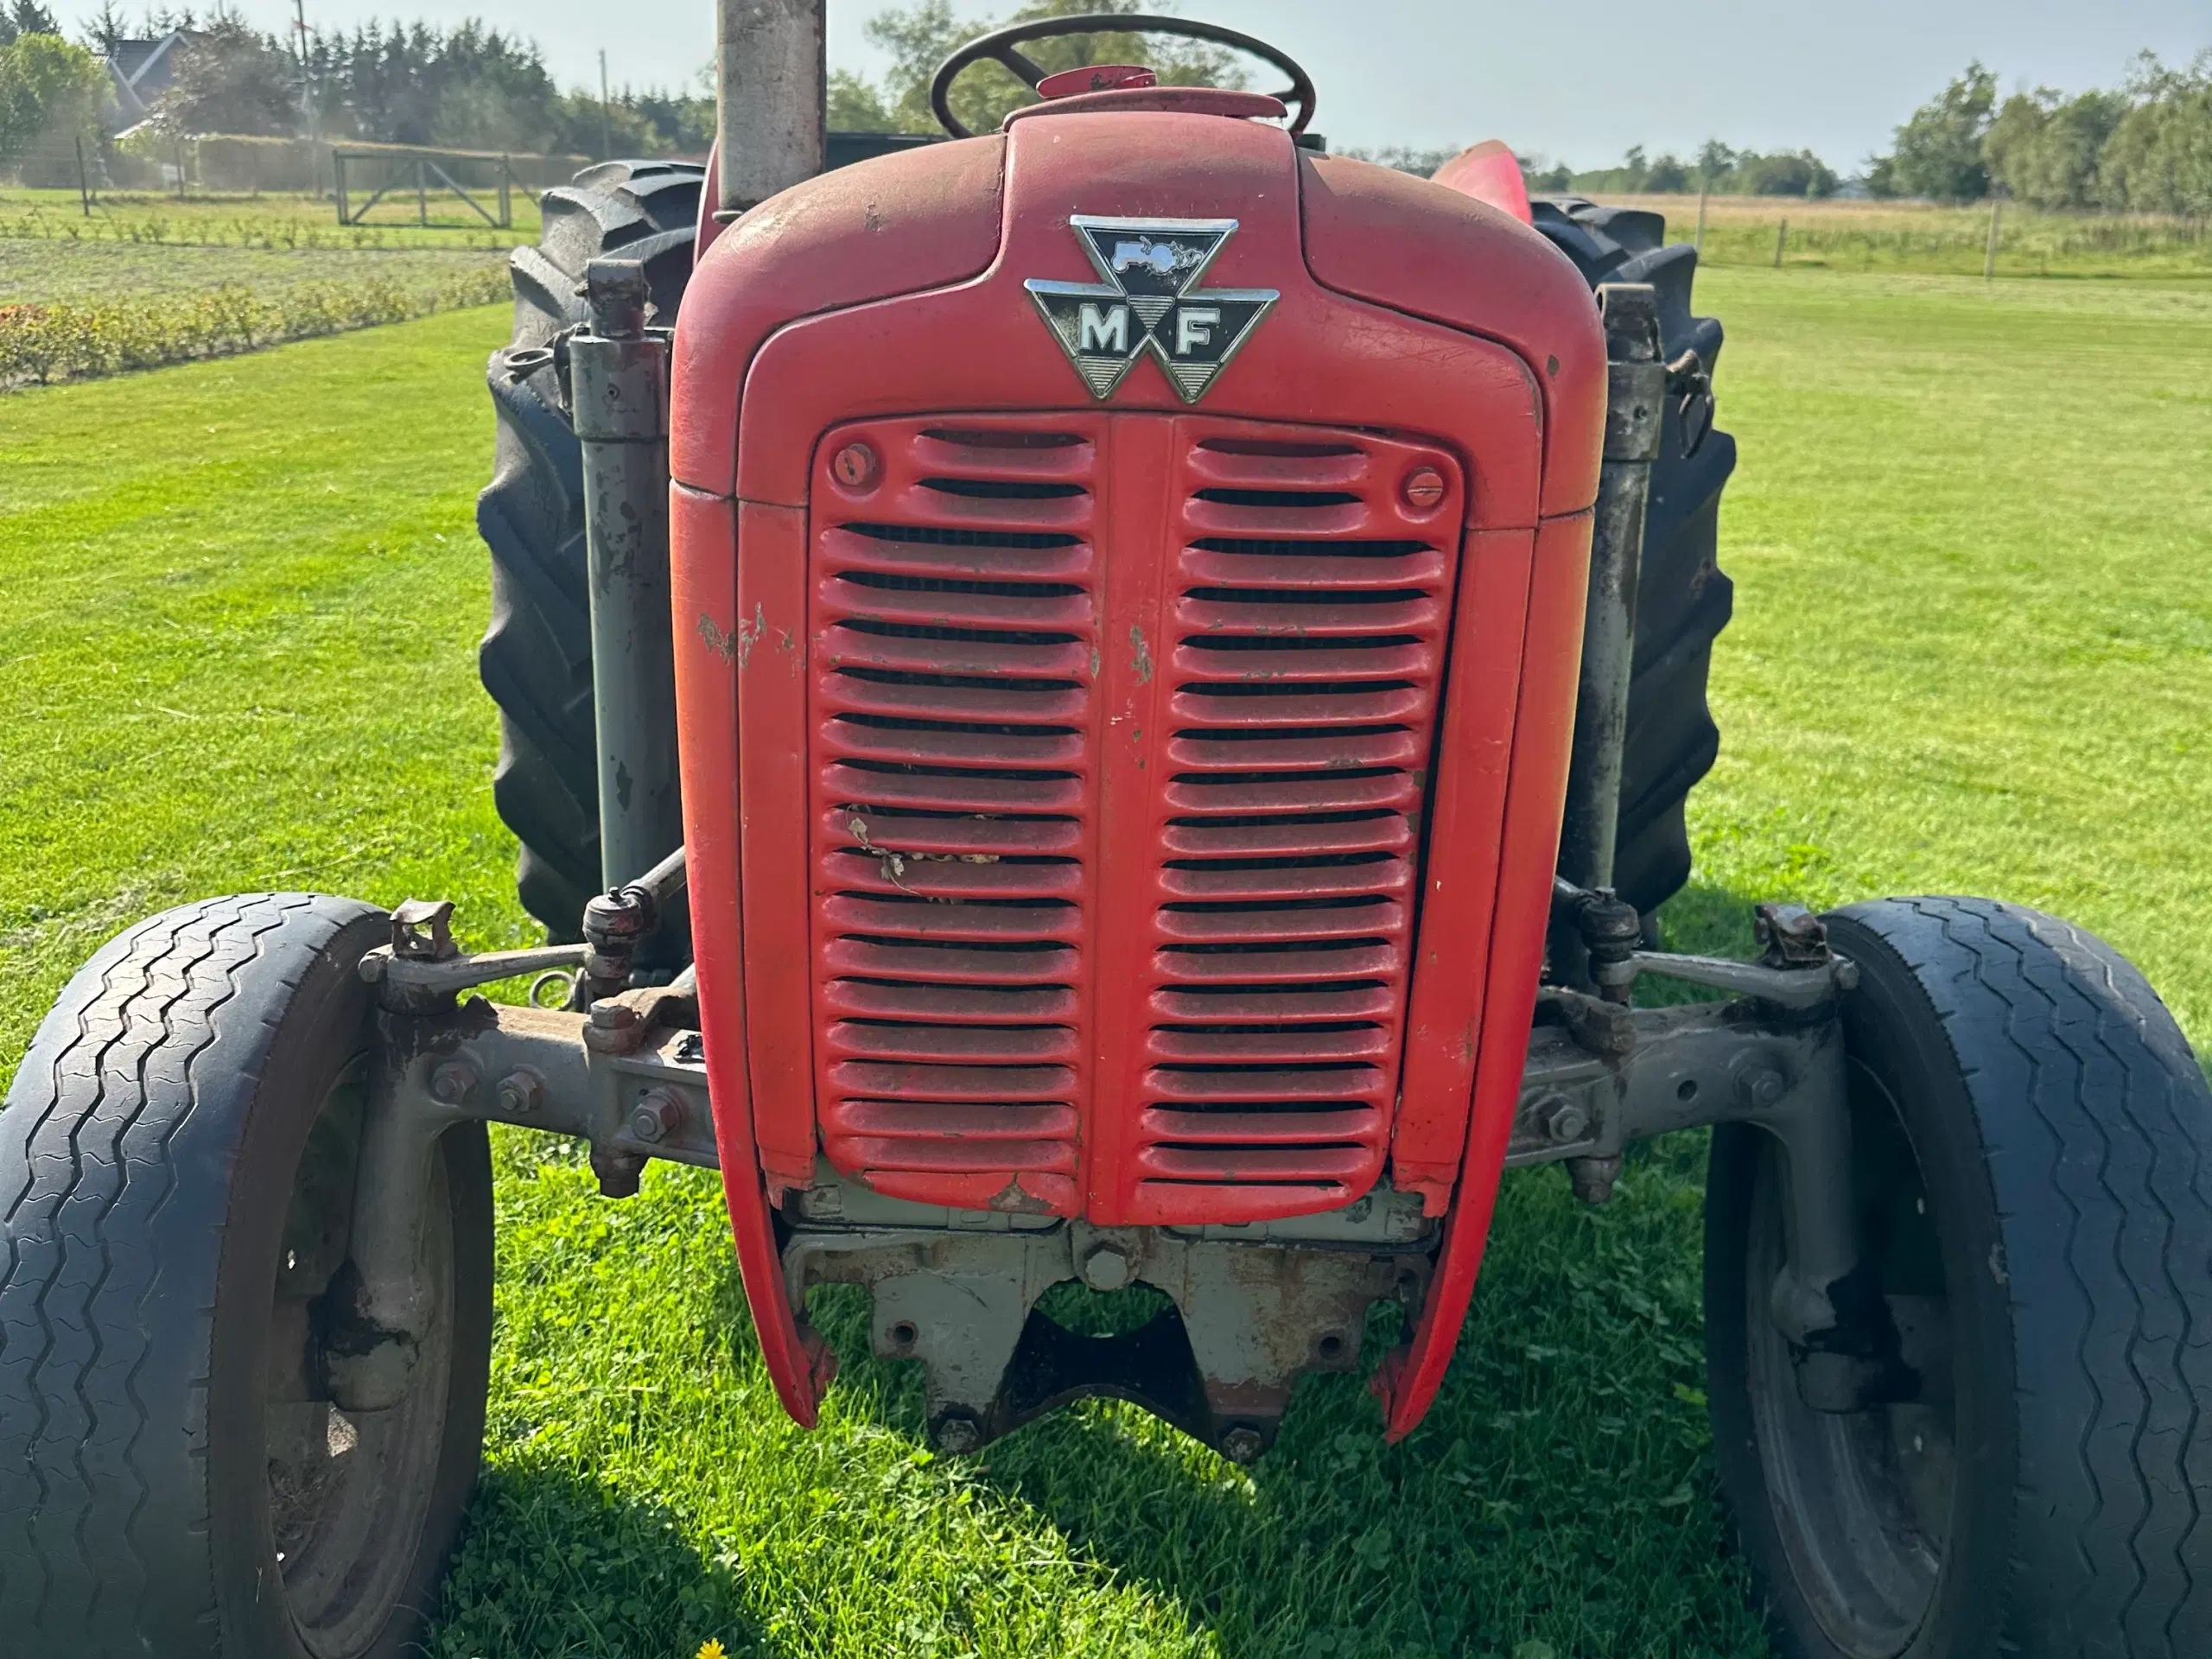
(106, 1300)
(2097, 1124)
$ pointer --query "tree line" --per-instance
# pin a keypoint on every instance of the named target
(2142, 147)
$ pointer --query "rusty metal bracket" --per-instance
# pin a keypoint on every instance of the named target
(1245, 1320)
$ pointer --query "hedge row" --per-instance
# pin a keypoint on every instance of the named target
(44, 343)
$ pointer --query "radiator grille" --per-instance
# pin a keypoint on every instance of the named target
(1119, 732)
(958, 633)
(1309, 634)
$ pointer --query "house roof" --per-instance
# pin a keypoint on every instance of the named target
(141, 69)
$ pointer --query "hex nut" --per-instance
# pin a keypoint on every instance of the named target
(453, 1083)
(1242, 1445)
(1761, 1087)
(1106, 1267)
(521, 1093)
(958, 1435)
(607, 1014)
(657, 1115)
(1559, 1119)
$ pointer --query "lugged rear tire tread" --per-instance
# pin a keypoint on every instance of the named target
(1683, 600)
(536, 657)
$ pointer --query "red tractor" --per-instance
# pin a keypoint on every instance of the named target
(1083, 717)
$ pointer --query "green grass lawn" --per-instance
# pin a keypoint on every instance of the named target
(1970, 655)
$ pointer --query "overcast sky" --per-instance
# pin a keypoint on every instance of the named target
(1579, 83)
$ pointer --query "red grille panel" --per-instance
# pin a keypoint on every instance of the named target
(1309, 611)
(1229, 812)
(955, 601)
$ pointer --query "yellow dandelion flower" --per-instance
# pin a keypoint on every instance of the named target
(712, 1649)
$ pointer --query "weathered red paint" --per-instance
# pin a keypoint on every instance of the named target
(1543, 734)
(889, 295)
(704, 610)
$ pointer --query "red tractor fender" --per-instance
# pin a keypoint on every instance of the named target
(1490, 173)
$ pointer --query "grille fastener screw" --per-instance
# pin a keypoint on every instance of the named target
(1423, 488)
(854, 467)
(1241, 1445)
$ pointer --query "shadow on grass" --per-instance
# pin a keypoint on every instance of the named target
(557, 1563)
(1559, 1497)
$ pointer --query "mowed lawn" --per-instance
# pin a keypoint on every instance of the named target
(1974, 615)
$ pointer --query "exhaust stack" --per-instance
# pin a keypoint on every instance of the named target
(770, 80)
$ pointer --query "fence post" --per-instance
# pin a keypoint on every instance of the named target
(84, 189)
(506, 206)
(338, 182)
(1989, 254)
(422, 196)
(1704, 189)
(1780, 240)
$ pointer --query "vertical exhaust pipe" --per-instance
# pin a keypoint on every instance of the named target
(771, 79)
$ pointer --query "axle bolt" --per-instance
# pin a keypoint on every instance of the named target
(1242, 1446)
(657, 1115)
(607, 1014)
(1761, 1087)
(1559, 1119)
(521, 1093)
(958, 1435)
(1423, 488)
(1106, 1268)
(854, 467)
(453, 1083)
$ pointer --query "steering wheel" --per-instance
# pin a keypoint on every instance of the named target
(999, 47)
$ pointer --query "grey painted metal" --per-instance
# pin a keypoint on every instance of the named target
(1636, 393)
(619, 393)
(770, 81)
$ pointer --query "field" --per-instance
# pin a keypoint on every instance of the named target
(1931, 238)
(86, 273)
(276, 220)
(1973, 617)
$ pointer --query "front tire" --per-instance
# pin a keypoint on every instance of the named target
(2030, 1134)
(175, 1187)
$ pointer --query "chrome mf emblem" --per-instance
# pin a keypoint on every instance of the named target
(1151, 300)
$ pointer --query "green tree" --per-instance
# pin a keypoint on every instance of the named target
(1939, 150)
(2159, 156)
(2043, 147)
(232, 79)
(1784, 173)
(25, 17)
(51, 93)
(1715, 162)
(921, 35)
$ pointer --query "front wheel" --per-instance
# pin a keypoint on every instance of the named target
(177, 1159)
(2029, 1142)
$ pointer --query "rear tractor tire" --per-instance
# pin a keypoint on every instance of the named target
(2030, 1134)
(535, 659)
(177, 1161)
(1682, 599)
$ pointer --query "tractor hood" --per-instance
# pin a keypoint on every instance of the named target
(997, 210)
